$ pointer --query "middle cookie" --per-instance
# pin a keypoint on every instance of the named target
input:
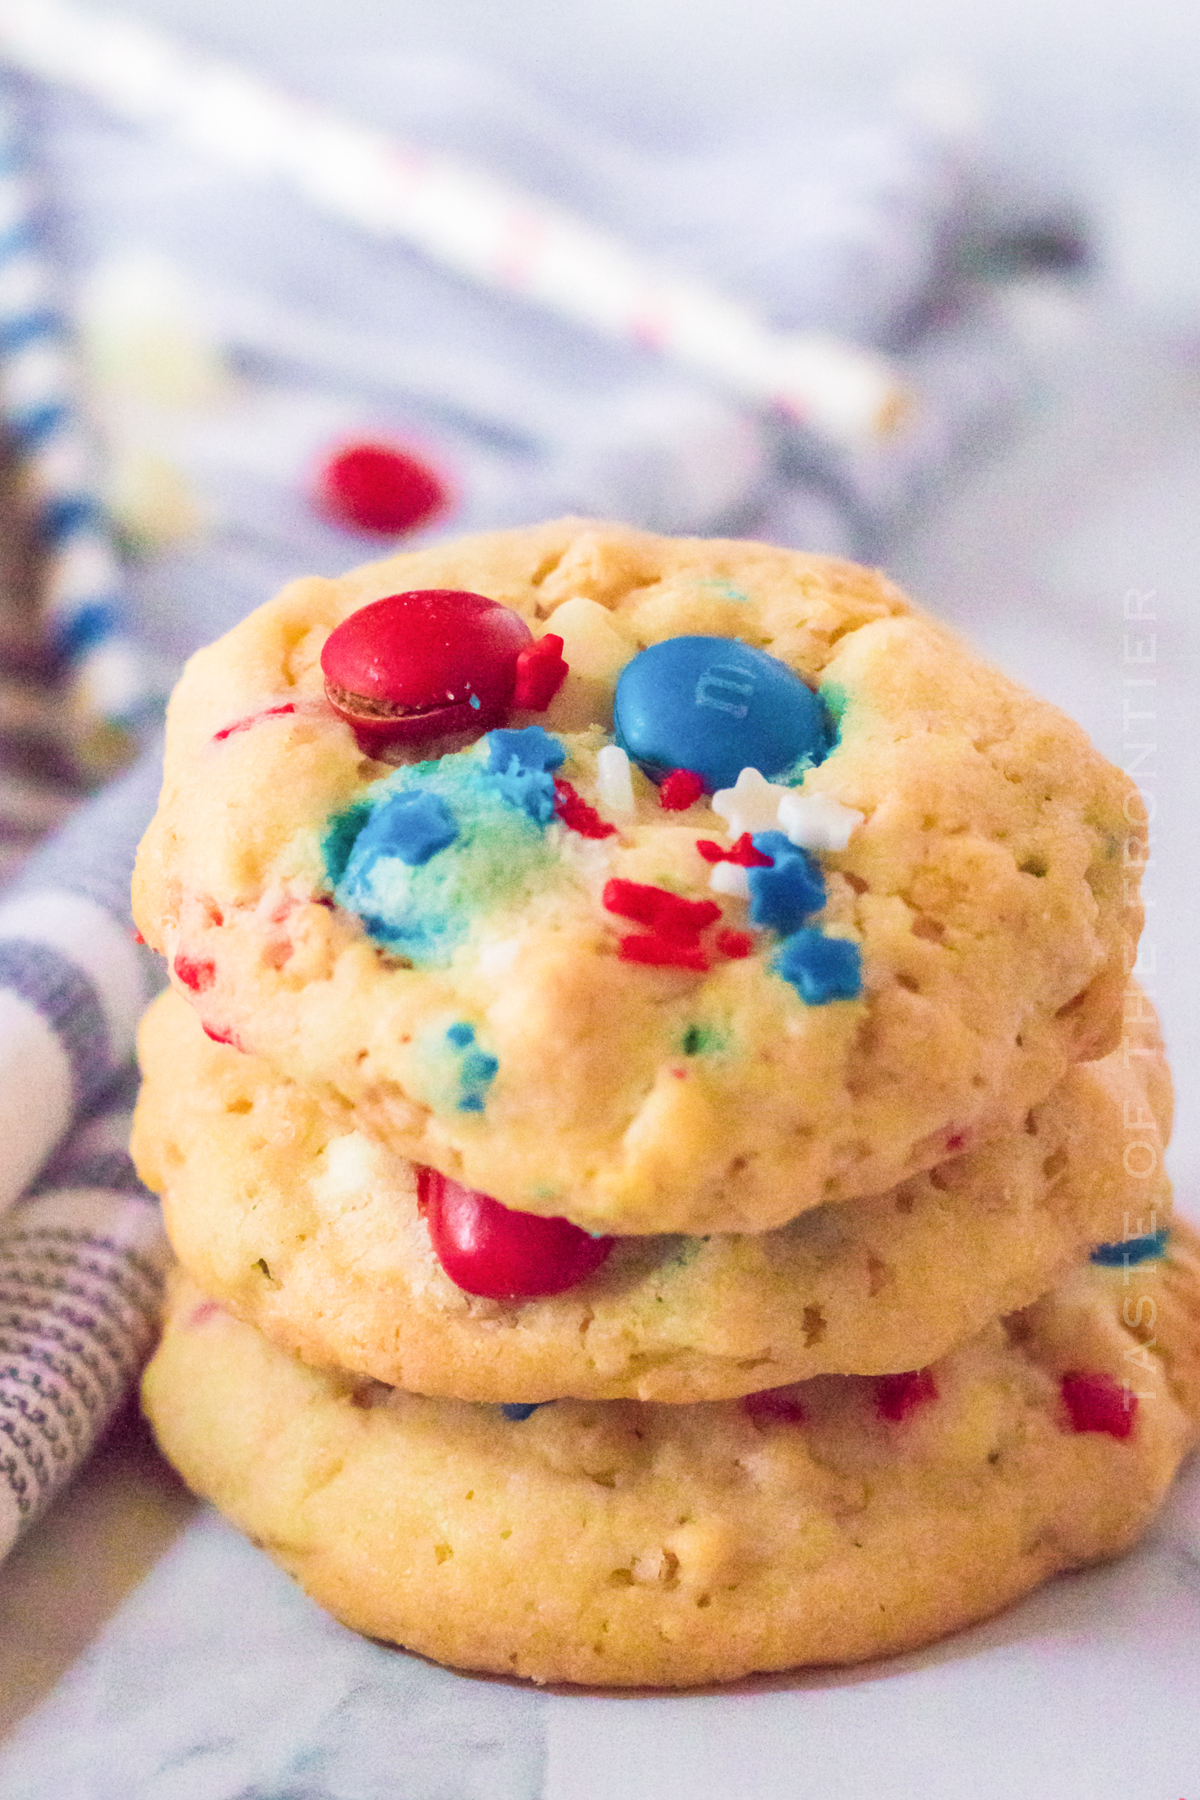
(308, 1229)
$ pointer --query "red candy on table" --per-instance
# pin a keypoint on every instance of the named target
(422, 665)
(1095, 1402)
(379, 487)
(490, 1250)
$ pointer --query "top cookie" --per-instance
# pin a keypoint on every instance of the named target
(507, 956)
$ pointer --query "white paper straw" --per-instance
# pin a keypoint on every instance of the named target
(457, 215)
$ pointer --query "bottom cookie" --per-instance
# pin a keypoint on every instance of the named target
(622, 1543)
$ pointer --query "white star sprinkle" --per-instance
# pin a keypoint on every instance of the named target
(817, 821)
(752, 804)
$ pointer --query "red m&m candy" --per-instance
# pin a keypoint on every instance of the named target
(1094, 1401)
(488, 1249)
(379, 487)
(898, 1395)
(422, 665)
(771, 1406)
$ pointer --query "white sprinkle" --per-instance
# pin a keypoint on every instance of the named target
(614, 782)
(752, 804)
(817, 821)
(730, 878)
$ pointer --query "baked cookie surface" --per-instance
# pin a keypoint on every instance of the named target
(539, 1002)
(308, 1229)
(618, 1543)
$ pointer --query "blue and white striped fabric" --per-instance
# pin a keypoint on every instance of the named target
(81, 1265)
(81, 1254)
(73, 982)
(70, 997)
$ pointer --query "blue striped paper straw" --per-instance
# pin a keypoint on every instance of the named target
(108, 691)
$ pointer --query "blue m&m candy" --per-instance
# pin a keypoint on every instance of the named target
(716, 706)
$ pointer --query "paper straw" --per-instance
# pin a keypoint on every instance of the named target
(108, 693)
(455, 214)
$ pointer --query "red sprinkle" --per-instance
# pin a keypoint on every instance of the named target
(772, 1404)
(742, 853)
(955, 1141)
(220, 1037)
(541, 671)
(679, 790)
(271, 712)
(898, 1395)
(662, 952)
(577, 815)
(193, 973)
(202, 1313)
(137, 936)
(379, 487)
(490, 1250)
(669, 915)
(1095, 1402)
(735, 944)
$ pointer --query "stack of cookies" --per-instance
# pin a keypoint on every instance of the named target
(664, 1159)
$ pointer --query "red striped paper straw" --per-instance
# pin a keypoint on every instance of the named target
(455, 214)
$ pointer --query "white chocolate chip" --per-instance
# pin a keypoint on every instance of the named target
(595, 650)
(592, 644)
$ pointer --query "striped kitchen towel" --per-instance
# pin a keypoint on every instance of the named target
(81, 1246)
(73, 982)
(81, 1266)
